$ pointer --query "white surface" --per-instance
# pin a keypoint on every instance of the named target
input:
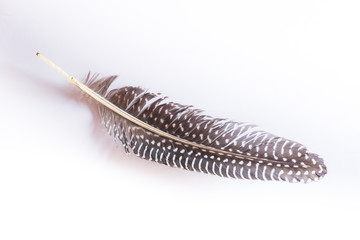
(291, 67)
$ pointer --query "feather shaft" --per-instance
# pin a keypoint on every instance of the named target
(176, 135)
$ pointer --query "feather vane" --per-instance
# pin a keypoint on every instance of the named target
(157, 129)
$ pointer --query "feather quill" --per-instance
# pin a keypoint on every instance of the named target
(157, 129)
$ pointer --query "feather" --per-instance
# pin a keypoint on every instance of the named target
(157, 129)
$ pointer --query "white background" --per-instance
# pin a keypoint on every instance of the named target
(291, 67)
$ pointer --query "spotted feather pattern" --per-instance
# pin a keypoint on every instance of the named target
(246, 152)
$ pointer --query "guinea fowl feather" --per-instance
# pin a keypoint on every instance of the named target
(160, 130)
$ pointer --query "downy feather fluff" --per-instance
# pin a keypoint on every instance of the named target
(185, 137)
